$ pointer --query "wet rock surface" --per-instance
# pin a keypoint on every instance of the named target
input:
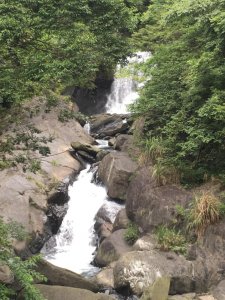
(106, 125)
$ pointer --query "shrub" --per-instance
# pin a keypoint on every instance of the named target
(205, 210)
(23, 271)
(131, 234)
(170, 239)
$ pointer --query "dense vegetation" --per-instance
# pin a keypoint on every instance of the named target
(184, 101)
(22, 271)
(51, 44)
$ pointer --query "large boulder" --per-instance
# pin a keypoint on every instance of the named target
(106, 125)
(105, 278)
(158, 291)
(125, 143)
(115, 170)
(68, 293)
(146, 242)
(111, 248)
(90, 149)
(219, 291)
(138, 270)
(108, 211)
(121, 221)
(105, 218)
(62, 277)
(99, 121)
(104, 230)
(6, 276)
(150, 205)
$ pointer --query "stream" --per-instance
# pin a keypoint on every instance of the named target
(73, 247)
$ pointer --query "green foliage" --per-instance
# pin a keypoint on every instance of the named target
(171, 240)
(27, 140)
(184, 101)
(65, 115)
(50, 44)
(131, 234)
(205, 210)
(23, 271)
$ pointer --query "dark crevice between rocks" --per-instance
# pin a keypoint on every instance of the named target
(93, 101)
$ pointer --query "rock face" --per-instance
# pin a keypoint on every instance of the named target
(68, 293)
(111, 248)
(93, 101)
(158, 291)
(115, 170)
(121, 221)
(150, 205)
(138, 270)
(219, 291)
(6, 276)
(62, 277)
(105, 278)
(106, 125)
(146, 242)
(23, 196)
(90, 149)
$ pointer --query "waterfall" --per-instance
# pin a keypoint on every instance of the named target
(74, 245)
(87, 127)
(124, 91)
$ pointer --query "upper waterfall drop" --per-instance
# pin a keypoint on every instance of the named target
(124, 90)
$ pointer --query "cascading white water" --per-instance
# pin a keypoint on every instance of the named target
(75, 243)
(124, 91)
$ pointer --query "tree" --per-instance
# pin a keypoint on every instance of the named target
(184, 100)
(50, 44)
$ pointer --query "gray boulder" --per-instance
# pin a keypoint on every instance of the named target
(121, 221)
(90, 149)
(115, 170)
(138, 270)
(62, 277)
(189, 296)
(99, 121)
(105, 278)
(219, 291)
(158, 291)
(104, 230)
(111, 248)
(106, 125)
(123, 142)
(68, 293)
(6, 276)
(146, 242)
(150, 205)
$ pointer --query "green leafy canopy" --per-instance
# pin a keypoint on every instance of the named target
(184, 101)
